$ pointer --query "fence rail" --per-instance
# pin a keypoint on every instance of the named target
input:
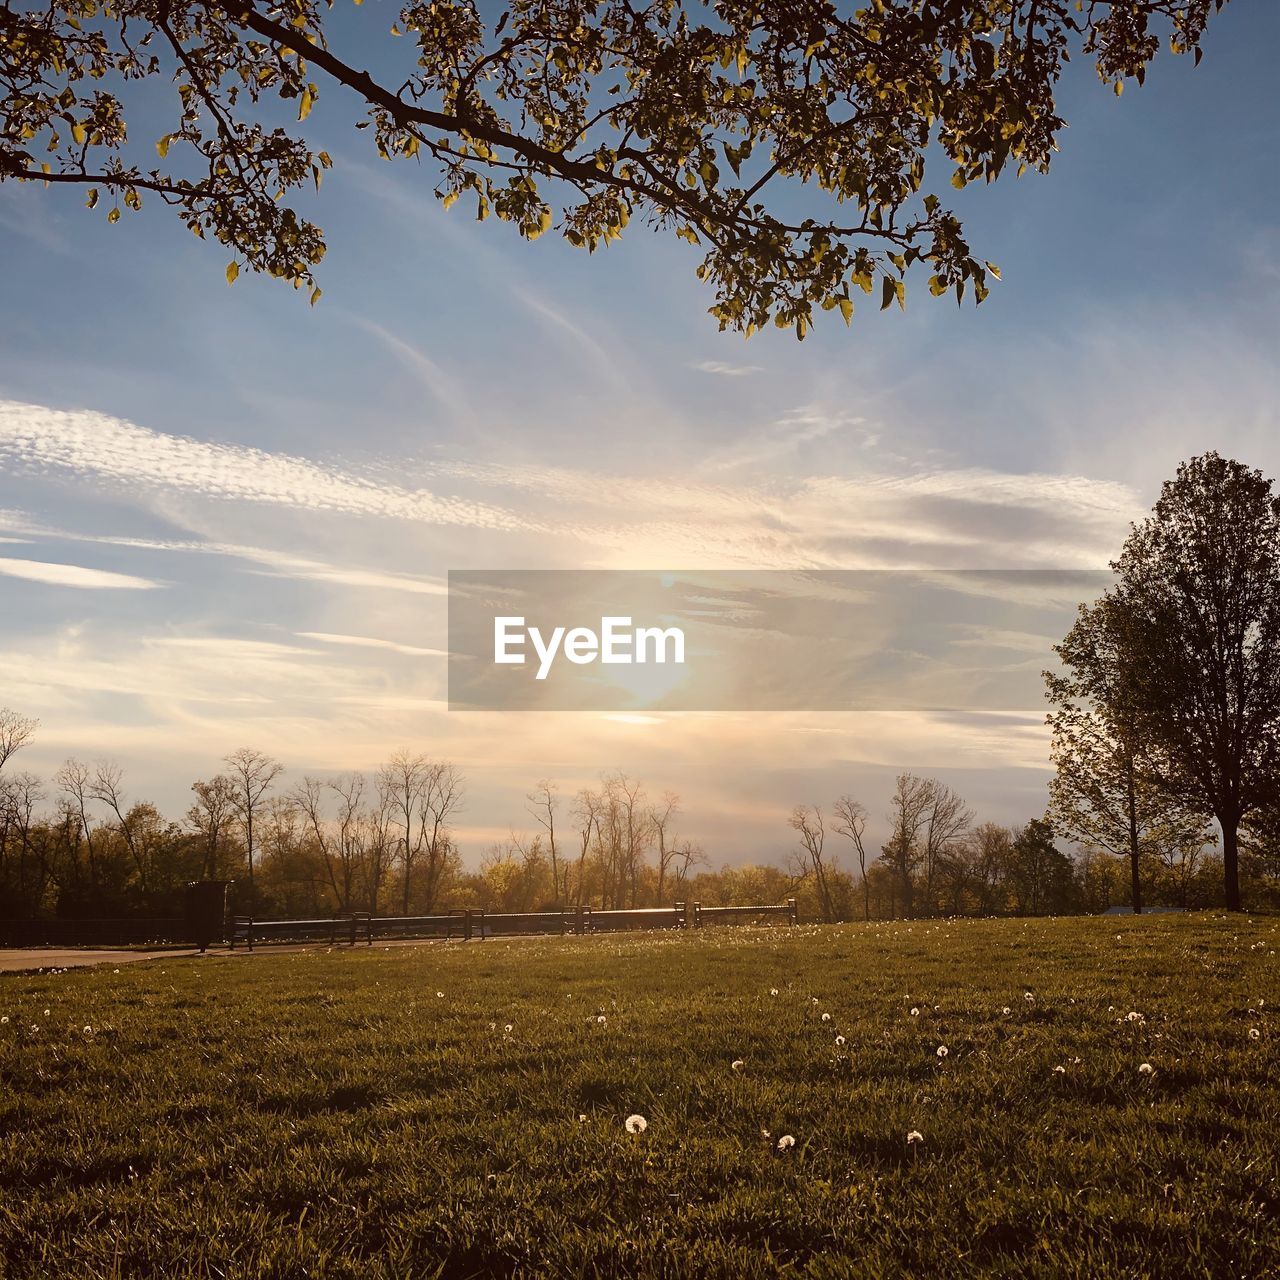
(476, 923)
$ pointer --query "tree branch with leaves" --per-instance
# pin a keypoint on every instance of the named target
(787, 140)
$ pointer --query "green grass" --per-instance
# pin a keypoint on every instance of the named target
(328, 1115)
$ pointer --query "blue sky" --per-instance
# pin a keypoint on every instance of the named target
(254, 503)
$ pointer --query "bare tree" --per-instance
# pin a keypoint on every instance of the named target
(403, 780)
(542, 805)
(586, 812)
(441, 799)
(253, 774)
(946, 821)
(851, 822)
(16, 731)
(813, 837)
(685, 855)
(74, 779)
(629, 830)
(210, 815)
(106, 788)
(661, 819)
(912, 799)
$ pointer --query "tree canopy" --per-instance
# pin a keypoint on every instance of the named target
(787, 140)
(1180, 660)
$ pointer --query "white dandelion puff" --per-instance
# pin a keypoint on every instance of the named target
(839, 1040)
(737, 1064)
(1254, 1033)
(826, 1017)
(773, 991)
(508, 1028)
(943, 1051)
(636, 1124)
(1059, 1071)
(914, 1137)
(1146, 1069)
(1007, 1011)
(786, 1142)
(915, 1013)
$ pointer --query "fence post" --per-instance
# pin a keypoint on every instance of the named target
(466, 925)
(351, 929)
(697, 915)
(682, 916)
(794, 915)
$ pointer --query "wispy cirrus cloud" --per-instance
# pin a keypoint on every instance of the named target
(723, 369)
(372, 642)
(73, 575)
(93, 445)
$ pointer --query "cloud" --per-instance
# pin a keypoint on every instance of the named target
(725, 370)
(94, 446)
(73, 575)
(371, 642)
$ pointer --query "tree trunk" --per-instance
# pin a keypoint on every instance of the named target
(1231, 863)
(1135, 862)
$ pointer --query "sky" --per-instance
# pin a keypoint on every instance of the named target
(226, 518)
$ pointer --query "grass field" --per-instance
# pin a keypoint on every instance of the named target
(458, 1109)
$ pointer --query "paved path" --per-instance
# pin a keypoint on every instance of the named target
(27, 959)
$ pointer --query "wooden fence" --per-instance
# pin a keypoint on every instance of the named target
(472, 923)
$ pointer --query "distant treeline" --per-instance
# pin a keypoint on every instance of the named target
(78, 845)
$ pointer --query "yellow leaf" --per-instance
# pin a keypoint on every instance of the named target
(162, 147)
(315, 293)
(846, 309)
(233, 270)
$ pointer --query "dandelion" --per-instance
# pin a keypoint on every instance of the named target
(1254, 1033)
(737, 1064)
(508, 1028)
(839, 1040)
(826, 1017)
(1029, 998)
(439, 995)
(601, 1019)
(636, 1124)
(1133, 1016)
(914, 1137)
(786, 1142)
(88, 1031)
(1146, 1069)
(5, 1020)
(943, 1051)
(773, 991)
(46, 1013)
(582, 1118)
(1059, 1071)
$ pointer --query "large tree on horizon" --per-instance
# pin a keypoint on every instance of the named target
(1103, 793)
(786, 140)
(1193, 622)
